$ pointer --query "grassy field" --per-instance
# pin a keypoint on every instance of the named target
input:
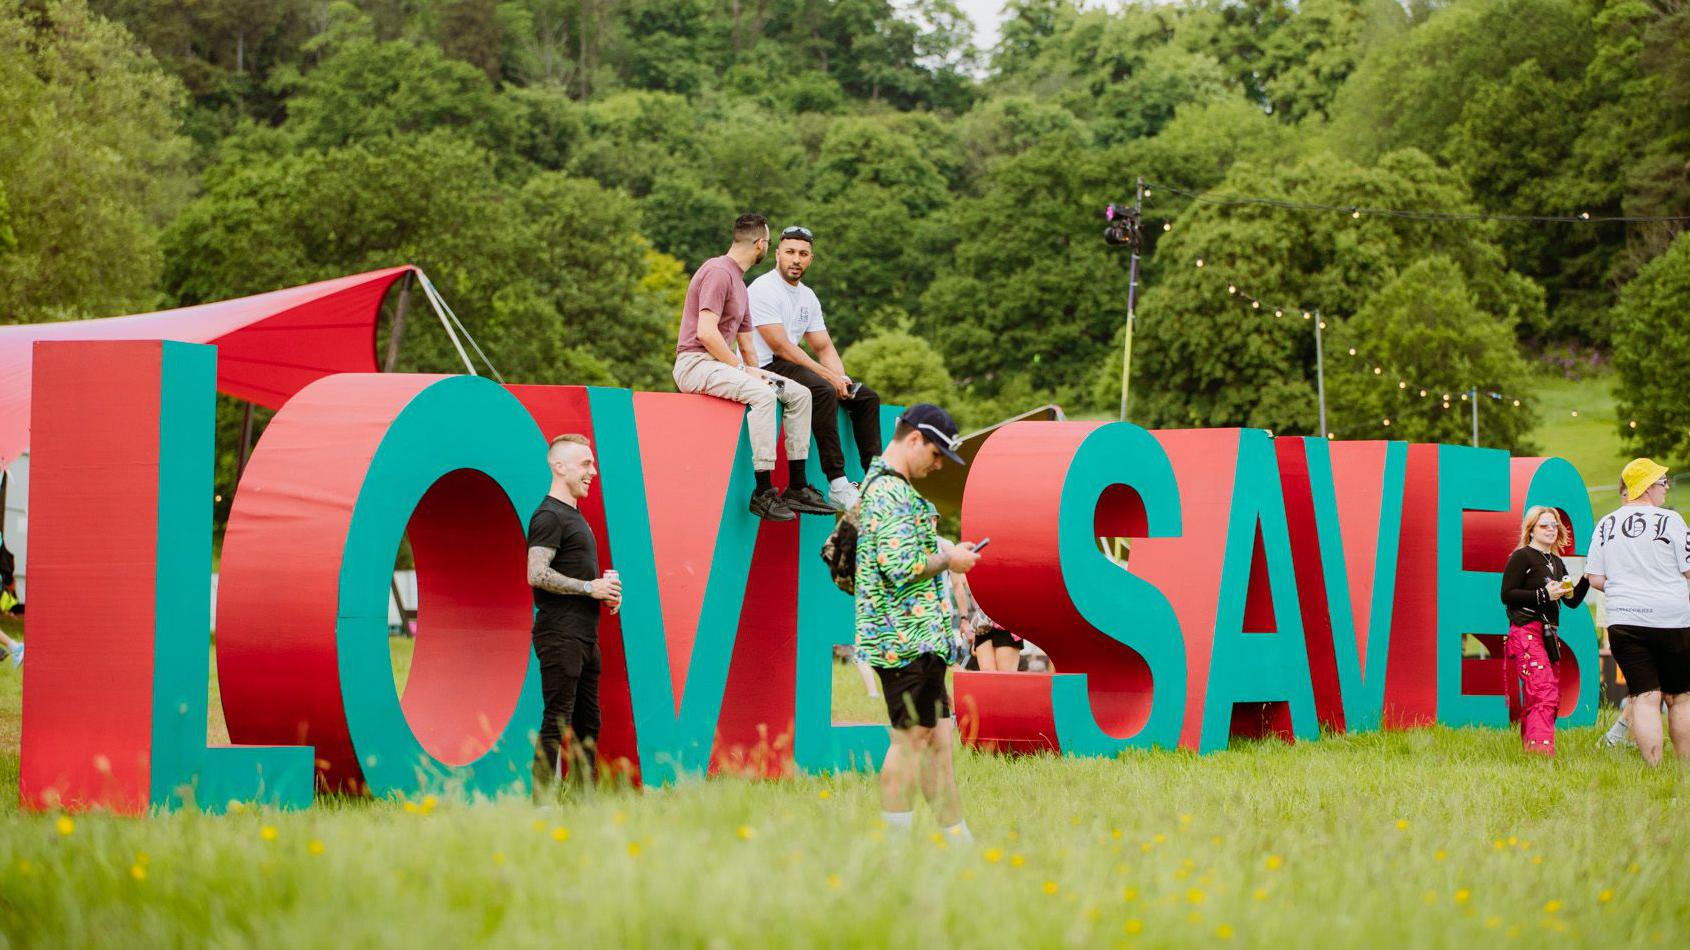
(1429, 838)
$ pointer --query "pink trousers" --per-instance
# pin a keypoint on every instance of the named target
(1534, 689)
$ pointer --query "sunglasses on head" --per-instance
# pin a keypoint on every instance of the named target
(952, 442)
(797, 232)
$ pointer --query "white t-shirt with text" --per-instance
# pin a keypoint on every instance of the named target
(773, 300)
(1643, 551)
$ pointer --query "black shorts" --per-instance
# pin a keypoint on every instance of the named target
(997, 638)
(1652, 657)
(915, 694)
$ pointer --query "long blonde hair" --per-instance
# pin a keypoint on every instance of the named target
(1563, 534)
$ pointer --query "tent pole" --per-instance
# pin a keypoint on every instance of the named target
(397, 331)
(393, 336)
(440, 311)
(246, 442)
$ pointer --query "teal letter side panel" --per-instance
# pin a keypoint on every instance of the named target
(827, 618)
(184, 770)
(1469, 479)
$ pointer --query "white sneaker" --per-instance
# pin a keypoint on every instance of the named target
(842, 494)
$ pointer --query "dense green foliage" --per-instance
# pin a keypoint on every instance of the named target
(1652, 353)
(560, 166)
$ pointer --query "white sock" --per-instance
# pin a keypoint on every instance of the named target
(960, 831)
(897, 820)
(1619, 729)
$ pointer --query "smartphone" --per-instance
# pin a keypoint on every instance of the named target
(981, 545)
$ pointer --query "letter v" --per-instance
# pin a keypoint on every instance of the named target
(1372, 473)
(667, 461)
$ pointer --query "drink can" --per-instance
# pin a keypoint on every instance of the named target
(611, 576)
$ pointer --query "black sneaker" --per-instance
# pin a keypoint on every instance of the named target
(767, 504)
(806, 500)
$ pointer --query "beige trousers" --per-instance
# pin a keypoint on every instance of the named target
(703, 373)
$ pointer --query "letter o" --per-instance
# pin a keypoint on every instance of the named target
(345, 468)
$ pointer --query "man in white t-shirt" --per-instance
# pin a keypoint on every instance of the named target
(785, 312)
(1640, 560)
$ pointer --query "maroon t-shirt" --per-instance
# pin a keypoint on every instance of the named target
(717, 285)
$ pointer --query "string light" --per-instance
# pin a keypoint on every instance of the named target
(1355, 211)
(1403, 385)
(1167, 225)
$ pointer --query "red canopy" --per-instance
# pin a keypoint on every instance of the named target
(269, 346)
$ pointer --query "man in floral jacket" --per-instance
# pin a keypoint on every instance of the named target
(903, 620)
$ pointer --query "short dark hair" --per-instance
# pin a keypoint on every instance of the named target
(901, 429)
(750, 227)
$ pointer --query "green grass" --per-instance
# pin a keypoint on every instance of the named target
(1432, 838)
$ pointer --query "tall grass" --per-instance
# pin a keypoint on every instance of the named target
(1428, 838)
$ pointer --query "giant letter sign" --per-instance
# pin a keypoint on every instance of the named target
(1273, 587)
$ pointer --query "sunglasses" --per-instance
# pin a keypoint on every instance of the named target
(797, 232)
(952, 442)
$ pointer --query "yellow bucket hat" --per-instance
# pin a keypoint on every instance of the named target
(1639, 474)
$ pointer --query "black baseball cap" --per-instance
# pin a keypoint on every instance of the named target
(936, 426)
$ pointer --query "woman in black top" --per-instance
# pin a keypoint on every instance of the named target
(1534, 584)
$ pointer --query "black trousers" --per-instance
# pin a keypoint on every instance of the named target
(569, 684)
(825, 404)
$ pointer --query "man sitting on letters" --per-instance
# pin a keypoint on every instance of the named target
(785, 311)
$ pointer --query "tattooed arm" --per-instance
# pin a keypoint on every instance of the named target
(541, 575)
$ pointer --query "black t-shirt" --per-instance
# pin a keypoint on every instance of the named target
(560, 526)
(1523, 577)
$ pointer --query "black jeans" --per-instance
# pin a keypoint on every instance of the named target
(825, 404)
(569, 684)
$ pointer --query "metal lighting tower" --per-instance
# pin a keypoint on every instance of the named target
(1320, 370)
(1124, 229)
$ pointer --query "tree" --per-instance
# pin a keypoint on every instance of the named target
(93, 165)
(1027, 283)
(1652, 354)
(1425, 332)
(366, 91)
(1204, 357)
(904, 367)
(1501, 90)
